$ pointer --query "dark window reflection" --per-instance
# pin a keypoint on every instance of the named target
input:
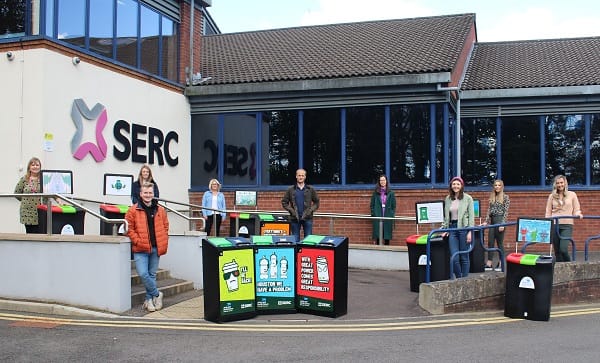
(595, 148)
(169, 50)
(521, 150)
(282, 134)
(322, 140)
(101, 27)
(365, 144)
(149, 33)
(239, 149)
(479, 151)
(12, 18)
(204, 149)
(71, 22)
(127, 32)
(440, 148)
(565, 152)
(409, 144)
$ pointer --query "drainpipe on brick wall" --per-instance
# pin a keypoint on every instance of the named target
(191, 66)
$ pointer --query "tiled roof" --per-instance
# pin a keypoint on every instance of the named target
(389, 47)
(534, 63)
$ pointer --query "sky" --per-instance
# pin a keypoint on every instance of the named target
(495, 20)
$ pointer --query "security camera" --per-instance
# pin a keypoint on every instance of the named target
(76, 60)
(10, 55)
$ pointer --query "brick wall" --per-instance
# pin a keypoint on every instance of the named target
(529, 203)
(184, 29)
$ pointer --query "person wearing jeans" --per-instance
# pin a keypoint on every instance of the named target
(458, 213)
(301, 201)
(148, 229)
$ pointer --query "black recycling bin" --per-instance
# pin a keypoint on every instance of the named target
(66, 219)
(322, 275)
(417, 259)
(229, 280)
(271, 225)
(246, 224)
(275, 266)
(112, 211)
(528, 286)
(477, 254)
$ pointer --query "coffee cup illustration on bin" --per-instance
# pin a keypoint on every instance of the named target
(322, 270)
(230, 275)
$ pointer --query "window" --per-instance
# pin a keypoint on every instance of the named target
(149, 34)
(71, 22)
(595, 148)
(565, 151)
(12, 18)
(322, 146)
(101, 27)
(479, 160)
(520, 150)
(127, 32)
(204, 149)
(169, 52)
(365, 144)
(281, 129)
(239, 149)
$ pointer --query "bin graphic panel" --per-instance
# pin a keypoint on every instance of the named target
(322, 275)
(529, 279)
(237, 283)
(275, 287)
(229, 279)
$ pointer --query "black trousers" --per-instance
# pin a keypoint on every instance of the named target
(209, 224)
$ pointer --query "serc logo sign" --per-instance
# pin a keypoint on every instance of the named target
(80, 111)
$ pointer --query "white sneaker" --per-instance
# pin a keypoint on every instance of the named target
(158, 301)
(498, 268)
(149, 305)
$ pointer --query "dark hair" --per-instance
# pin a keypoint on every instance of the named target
(460, 193)
(378, 184)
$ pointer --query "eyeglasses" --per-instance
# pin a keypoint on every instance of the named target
(227, 275)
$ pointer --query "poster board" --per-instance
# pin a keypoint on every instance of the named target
(429, 212)
(477, 208)
(57, 181)
(117, 184)
(534, 230)
(245, 198)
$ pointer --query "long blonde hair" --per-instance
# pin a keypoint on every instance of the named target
(28, 172)
(497, 197)
(554, 191)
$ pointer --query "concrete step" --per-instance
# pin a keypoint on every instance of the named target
(169, 287)
(160, 275)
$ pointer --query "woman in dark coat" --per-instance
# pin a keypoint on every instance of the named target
(383, 204)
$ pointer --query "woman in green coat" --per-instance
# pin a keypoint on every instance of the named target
(383, 204)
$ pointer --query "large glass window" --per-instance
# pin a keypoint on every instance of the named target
(127, 32)
(12, 18)
(71, 22)
(321, 145)
(365, 144)
(410, 144)
(595, 148)
(239, 154)
(101, 27)
(565, 152)
(520, 150)
(282, 135)
(149, 33)
(479, 151)
(169, 51)
(204, 149)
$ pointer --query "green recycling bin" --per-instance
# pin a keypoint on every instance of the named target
(229, 279)
(275, 266)
(112, 211)
(66, 219)
(417, 259)
(528, 292)
(322, 275)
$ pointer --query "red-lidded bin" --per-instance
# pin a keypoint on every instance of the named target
(66, 219)
(528, 292)
(112, 211)
(417, 259)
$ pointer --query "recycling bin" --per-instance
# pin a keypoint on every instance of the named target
(477, 254)
(275, 266)
(112, 211)
(271, 225)
(66, 219)
(528, 286)
(229, 279)
(322, 275)
(246, 225)
(417, 259)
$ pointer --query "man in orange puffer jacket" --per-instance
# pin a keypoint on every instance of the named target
(148, 229)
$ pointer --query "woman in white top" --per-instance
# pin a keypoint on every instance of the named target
(215, 200)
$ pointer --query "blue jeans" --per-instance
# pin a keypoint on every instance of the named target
(457, 241)
(306, 225)
(146, 265)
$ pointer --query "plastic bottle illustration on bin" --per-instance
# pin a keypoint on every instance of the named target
(275, 287)
(322, 275)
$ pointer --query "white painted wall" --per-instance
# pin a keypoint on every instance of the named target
(37, 93)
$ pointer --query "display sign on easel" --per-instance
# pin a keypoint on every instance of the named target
(429, 212)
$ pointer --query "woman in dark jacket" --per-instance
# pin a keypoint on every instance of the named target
(383, 204)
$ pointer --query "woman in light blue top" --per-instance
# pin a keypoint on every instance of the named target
(458, 213)
(214, 199)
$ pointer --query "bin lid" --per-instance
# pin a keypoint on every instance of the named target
(528, 259)
(114, 208)
(266, 217)
(262, 240)
(219, 242)
(65, 209)
(284, 239)
(412, 238)
(314, 239)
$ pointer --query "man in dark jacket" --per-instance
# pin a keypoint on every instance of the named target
(301, 201)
